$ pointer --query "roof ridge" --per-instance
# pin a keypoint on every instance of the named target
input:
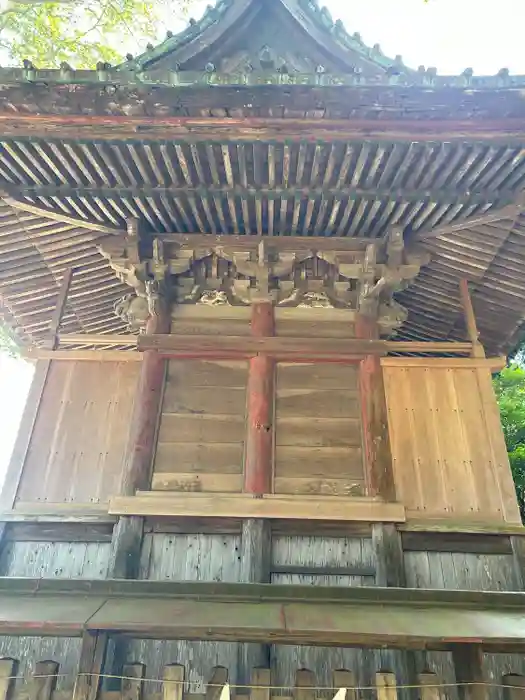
(319, 15)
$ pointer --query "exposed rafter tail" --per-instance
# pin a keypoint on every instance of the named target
(510, 211)
(90, 224)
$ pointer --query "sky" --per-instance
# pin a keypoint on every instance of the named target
(450, 35)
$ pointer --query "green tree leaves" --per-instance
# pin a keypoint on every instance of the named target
(79, 32)
(510, 391)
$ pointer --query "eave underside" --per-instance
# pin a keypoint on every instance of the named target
(60, 195)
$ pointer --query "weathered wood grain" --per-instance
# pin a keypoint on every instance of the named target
(206, 457)
(322, 486)
(306, 432)
(322, 462)
(200, 428)
(197, 482)
(272, 506)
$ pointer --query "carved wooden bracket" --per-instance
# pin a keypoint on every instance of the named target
(362, 278)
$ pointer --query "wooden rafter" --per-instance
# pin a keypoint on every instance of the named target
(54, 215)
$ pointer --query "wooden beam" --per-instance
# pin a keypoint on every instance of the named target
(280, 348)
(494, 364)
(68, 339)
(192, 241)
(60, 306)
(84, 355)
(110, 127)
(260, 407)
(470, 319)
(269, 506)
(60, 216)
(358, 616)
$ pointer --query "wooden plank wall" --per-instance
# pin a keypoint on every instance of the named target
(77, 447)
(318, 430)
(202, 427)
(51, 560)
(448, 448)
(464, 571)
(188, 557)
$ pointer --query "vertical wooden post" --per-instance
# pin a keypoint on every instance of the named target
(255, 555)
(259, 437)
(173, 682)
(91, 665)
(127, 535)
(468, 664)
(470, 319)
(256, 533)
(44, 680)
(7, 671)
(378, 455)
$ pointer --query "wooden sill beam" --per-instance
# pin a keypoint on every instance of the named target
(305, 615)
(222, 505)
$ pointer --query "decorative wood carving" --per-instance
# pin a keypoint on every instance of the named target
(364, 280)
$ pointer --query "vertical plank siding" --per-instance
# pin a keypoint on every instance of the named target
(447, 444)
(51, 560)
(318, 430)
(456, 571)
(202, 427)
(77, 446)
(173, 557)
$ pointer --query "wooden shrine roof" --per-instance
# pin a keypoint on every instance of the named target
(263, 118)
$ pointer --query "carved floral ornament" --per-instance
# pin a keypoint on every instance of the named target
(363, 280)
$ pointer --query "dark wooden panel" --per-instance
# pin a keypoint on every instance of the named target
(456, 542)
(326, 462)
(318, 432)
(324, 487)
(198, 427)
(189, 457)
(202, 400)
(314, 402)
(58, 532)
(321, 375)
(204, 373)
(194, 483)
(190, 526)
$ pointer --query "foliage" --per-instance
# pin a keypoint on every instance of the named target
(79, 32)
(8, 342)
(510, 391)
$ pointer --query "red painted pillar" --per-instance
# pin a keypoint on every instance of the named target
(259, 438)
(378, 456)
(145, 411)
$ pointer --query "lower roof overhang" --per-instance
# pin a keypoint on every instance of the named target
(369, 617)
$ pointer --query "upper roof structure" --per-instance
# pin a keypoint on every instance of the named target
(265, 117)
